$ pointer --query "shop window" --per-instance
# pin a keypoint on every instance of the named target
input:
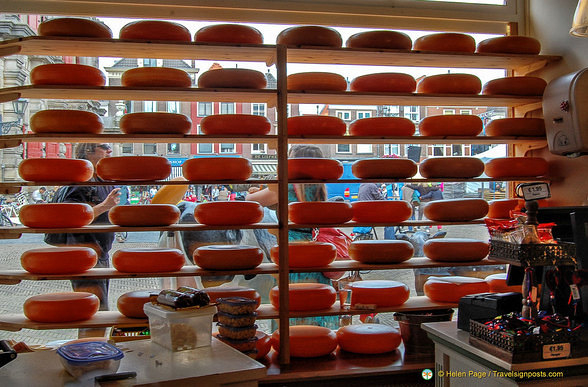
(363, 114)
(412, 113)
(149, 62)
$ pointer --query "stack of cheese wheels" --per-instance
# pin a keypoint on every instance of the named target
(497, 284)
(451, 289)
(67, 74)
(519, 126)
(232, 213)
(369, 339)
(501, 208)
(314, 168)
(382, 293)
(516, 167)
(381, 211)
(450, 84)
(61, 307)
(533, 86)
(217, 168)
(74, 170)
(263, 344)
(144, 215)
(316, 125)
(456, 250)
(445, 41)
(216, 292)
(451, 125)
(319, 212)
(147, 260)
(510, 45)
(307, 341)
(66, 121)
(56, 215)
(133, 168)
(131, 304)
(229, 33)
(237, 124)
(458, 167)
(381, 39)
(310, 36)
(58, 260)
(381, 251)
(232, 78)
(155, 30)
(74, 27)
(155, 123)
(304, 296)
(382, 126)
(170, 194)
(456, 210)
(306, 254)
(228, 257)
(384, 83)
(384, 168)
(317, 81)
(155, 77)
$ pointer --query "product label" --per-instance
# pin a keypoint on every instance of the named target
(575, 292)
(556, 351)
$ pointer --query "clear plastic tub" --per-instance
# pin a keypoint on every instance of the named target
(81, 358)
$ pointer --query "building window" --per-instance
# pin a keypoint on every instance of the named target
(412, 113)
(363, 115)
(448, 111)
(258, 148)
(436, 150)
(173, 107)
(364, 148)
(345, 115)
(392, 149)
(127, 148)
(205, 148)
(205, 109)
(343, 148)
(457, 150)
(465, 111)
(390, 111)
(150, 149)
(149, 62)
(258, 109)
(227, 108)
(149, 106)
(227, 148)
(173, 148)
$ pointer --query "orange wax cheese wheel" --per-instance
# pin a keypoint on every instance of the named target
(147, 260)
(155, 30)
(228, 257)
(319, 212)
(133, 168)
(229, 33)
(456, 210)
(155, 123)
(307, 341)
(459, 167)
(515, 86)
(381, 251)
(382, 126)
(384, 83)
(510, 45)
(382, 293)
(237, 124)
(384, 168)
(61, 307)
(170, 194)
(316, 125)
(310, 36)
(501, 208)
(66, 121)
(74, 27)
(58, 260)
(314, 168)
(383, 39)
(155, 77)
(231, 213)
(306, 254)
(451, 125)
(67, 74)
(317, 81)
(217, 168)
(146, 215)
(368, 339)
(519, 126)
(451, 289)
(455, 250)
(75, 170)
(445, 41)
(216, 292)
(263, 344)
(497, 284)
(304, 296)
(56, 215)
(517, 166)
(381, 211)
(131, 304)
(450, 84)
(232, 78)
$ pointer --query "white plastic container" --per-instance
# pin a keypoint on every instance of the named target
(93, 356)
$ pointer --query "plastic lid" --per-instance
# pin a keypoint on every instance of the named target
(236, 301)
(89, 351)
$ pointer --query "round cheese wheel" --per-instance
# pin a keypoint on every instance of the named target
(306, 296)
(155, 77)
(456, 210)
(216, 292)
(533, 86)
(146, 215)
(231, 213)
(170, 194)
(155, 30)
(381, 211)
(217, 168)
(61, 307)
(56, 215)
(317, 81)
(501, 208)
(75, 170)
(133, 168)
(66, 121)
(382, 126)
(310, 36)
(237, 124)
(229, 33)
(384, 83)
(232, 78)
(314, 168)
(383, 39)
(451, 289)
(497, 284)
(512, 44)
(519, 126)
(67, 74)
(384, 168)
(147, 260)
(263, 344)
(516, 166)
(155, 123)
(450, 84)
(74, 27)
(381, 251)
(369, 339)
(316, 125)
(445, 41)
(451, 125)
(458, 167)
(307, 341)
(228, 257)
(456, 249)
(319, 212)
(306, 254)
(58, 260)
(131, 304)
(382, 293)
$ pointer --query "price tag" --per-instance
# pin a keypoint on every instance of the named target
(557, 351)
(535, 191)
(575, 292)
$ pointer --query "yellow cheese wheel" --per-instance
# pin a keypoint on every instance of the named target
(148, 260)
(450, 84)
(155, 77)
(131, 304)
(317, 81)
(501, 208)
(451, 125)
(380, 39)
(451, 289)
(384, 83)
(314, 168)
(445, 41)
(56, 215)
(74, 170)
(228, 213)
(66, 121)
(155, 123)
(316, 125)
(518, 126)
(456, 249)
(58, 260)
(382, 293)
(517, 166)
(497, 284)
(237, 124)
(216, 292)
(217, 168)
(310, 36)
(381, 251)
(533, 86)
(61, 307)
(133, 168)
(232, 78)
(155, 30)
(146, 215)
(382, 126)
(512, 44)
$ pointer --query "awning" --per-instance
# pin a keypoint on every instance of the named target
(265, 168)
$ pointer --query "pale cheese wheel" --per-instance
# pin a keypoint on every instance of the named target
(217, 168)
(381, 211)
(384, 168)
(154, 260)
(229, 33)
(456, 249)
(382, 126)
(319, 212)
(155, 123)
(517, 167)
(58, 260)
(306, 296)
(369, 339)
(451, 125)
(518, 126)
(455, 210)
(67, 74)
(66, 121)
(74, 27)
(170, 194)
(317, 81)
(512, 44)
(384, 83)
(56, 215)
(450, 84)
(532, 86)
(306, 254)
(307, 341)
(144, 215)
(451, 289)
(43, 170)
(316, 125)
(232, 213)
(155, 30)
(310, 36)
(445, 41)
(314, 168)
(497, 284)
(232, 78)
(382, 293)
(133, 168)
(237, 124)
(381, 39)
(61, 307)
(155, 77)
(228, 257)
(451, 167)
(381, 251)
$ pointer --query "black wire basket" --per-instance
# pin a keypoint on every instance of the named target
(537, 254)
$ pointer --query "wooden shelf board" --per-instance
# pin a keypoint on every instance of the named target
(416, 140)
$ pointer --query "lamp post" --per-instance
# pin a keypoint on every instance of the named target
(19, 106)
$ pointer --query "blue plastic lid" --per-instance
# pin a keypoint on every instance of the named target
(89, 351)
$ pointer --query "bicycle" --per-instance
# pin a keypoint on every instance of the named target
(364, 233)
(5, 220)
